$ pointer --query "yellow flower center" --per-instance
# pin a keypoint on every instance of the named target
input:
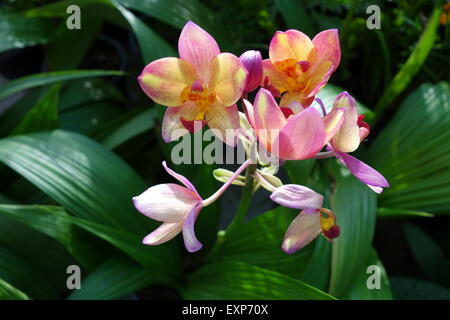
(294, 71)
(203, 99)
(328, 223)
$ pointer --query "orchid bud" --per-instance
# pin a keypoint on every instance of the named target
(223, 175)
(252, 61)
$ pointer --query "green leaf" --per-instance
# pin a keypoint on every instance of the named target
(152, 45)
(18, 31)
(8, 292)
(397, 213)
(41, 79)
(417, 289)
(413, 152)
(429, 256)
(354, 205)
(359, 289)
(413, 64)
(317, 272)
(295, 15)
(258, 242)
(43, 116)
(240, 281)
(115, 278)
(299, 171)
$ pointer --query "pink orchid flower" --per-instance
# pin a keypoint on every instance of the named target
(293, 137)
(201, 87)
(298, 67)
(347, 139)
(312, 220)
(177, 207)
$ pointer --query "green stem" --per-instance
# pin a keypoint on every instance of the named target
(241, 212)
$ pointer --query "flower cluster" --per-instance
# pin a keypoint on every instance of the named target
(203, 86)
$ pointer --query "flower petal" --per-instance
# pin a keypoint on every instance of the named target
(347, 139)
(363, 172)
(165, 232)
(198, 47)
(327, 47)
(166, 202)
(268, 118)
(228, 78)
(302, 230)
(163, 80)
(333, 122)
(291, 44)
(297, 197)
(172, 127)
(181, 178)
(274, 77)
(224, 121)
(190, 240)
(252, 62)
(302, 137)
(249, 113)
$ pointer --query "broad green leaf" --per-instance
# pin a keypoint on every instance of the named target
(354, 205)
(299, 171)
(8, 292)
(359, 289)
(295, 15)
(40, 79)
(413, 64)
(152, 45)
(413, 152)
(43, 116)
(405, 288)
(19, 273)
(317, 272)
(258, 242)
(397, 213)
(429, 256)
(18, 31)
(87, 179)
(240, 281)
(113, 279)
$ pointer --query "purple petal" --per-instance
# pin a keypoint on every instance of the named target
(363, 172)
(297, 197)
(190, 240)
(181, 178)
(164, 233)
(302, 230)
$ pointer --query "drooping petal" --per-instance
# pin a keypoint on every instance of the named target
(228, 78)
(327, 47)
(333, 122)
(291, 44)
(347, 139)
(172, 127)
(166, 202)
(318, 77)
(224, 121)
(268, 118)
(297, 197)
(249, 113)
(165, 232)
(181, 178)
(190, 240)
(273, 77)
(252, 61)
(302, 230)
(163, 80)
(198, 47)
(302, 137)
(363, 172)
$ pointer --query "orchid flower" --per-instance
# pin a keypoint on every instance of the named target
(201, 87)
(177, 207)
(295, 137)
(252, 62)
(347, 139)
(312, 220)
(298, 67)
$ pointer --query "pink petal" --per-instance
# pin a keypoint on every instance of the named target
(163, 80)
(224, 121)
(180, 178)
(273, 78)
(198, 47)
(172, 126)
(228, 78)
(327, 47)
(363, 172)
(190, 240)
(249, 112)
(297, 197)
(291, 44)
(166, 202)
(164, 233)
(302, 137)
(252, 61)
(333, 122)
(347, 139)
(302, 230)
